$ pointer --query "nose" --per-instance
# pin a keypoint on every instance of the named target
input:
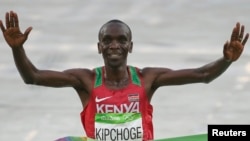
(114, 44)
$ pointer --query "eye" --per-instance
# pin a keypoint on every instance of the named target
(106, 40)
(123, 40)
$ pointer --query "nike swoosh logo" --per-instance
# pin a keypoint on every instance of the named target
(101, 99)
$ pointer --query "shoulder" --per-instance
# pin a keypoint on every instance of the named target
(154, 71)
(152, 75)
(80, 72)
(151, 71)
(83, 75)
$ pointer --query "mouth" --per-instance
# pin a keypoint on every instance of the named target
(114, 55)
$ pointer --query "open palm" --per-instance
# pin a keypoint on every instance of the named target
(234, 48)
(12, 34)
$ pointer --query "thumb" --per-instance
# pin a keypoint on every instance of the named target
(1, 26)
(226, 45)
(27, 31)
(226, 53)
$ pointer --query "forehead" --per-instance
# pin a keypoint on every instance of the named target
(115, 29)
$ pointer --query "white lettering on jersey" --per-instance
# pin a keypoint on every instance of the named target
(132, 107)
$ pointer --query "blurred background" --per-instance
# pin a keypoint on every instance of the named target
(166, 33)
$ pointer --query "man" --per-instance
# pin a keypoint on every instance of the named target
(116, 97)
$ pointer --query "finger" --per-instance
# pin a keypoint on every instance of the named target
(241, 32)
(245, 39)
(238, 28)
(7, 20)
(11, 19)
(235, 34)
(236, 31)
(16, 22)
(1, 26)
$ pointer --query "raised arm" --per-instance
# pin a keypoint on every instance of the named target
(30, 74)
(231, 52)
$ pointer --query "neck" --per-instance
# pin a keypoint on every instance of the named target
(115, 74)
(116, 78)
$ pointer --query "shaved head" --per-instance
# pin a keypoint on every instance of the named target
(114, 21)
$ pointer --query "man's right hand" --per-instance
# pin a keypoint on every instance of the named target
(12, 34)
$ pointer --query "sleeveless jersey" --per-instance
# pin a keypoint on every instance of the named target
(121, 114)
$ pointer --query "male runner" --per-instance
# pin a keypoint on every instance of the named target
(116, 97)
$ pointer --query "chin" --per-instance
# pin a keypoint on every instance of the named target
(115, 64)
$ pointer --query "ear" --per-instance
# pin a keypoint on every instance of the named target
(131, 47)
(99, 48)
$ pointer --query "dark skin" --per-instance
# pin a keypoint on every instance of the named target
(115, 44)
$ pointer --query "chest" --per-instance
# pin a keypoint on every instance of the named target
(125, 100)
